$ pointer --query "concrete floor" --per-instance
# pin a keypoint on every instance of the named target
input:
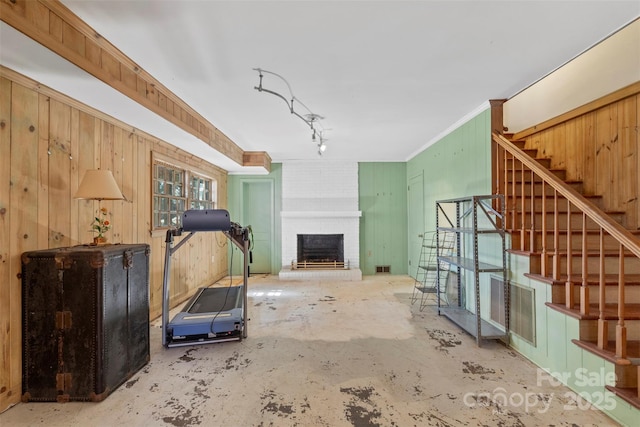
(329, 353)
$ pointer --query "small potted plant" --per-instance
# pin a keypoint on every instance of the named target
(101, 225)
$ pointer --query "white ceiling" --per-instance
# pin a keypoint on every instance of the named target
(388, 76)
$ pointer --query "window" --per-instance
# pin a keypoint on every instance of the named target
(200, 193)
(176, 190)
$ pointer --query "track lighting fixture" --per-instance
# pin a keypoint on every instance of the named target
(311, 119)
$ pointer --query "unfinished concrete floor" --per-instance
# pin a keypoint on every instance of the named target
(329, 353)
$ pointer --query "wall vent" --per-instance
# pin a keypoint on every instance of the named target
(383, 269)
(522, 316)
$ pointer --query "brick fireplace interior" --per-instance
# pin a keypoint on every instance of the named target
(320, 247)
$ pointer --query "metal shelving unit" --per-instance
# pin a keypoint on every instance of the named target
(471, 218)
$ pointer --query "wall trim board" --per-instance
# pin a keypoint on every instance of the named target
(622, 93)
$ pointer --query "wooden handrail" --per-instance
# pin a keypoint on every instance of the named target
(617, 231)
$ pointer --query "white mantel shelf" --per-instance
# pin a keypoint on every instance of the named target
(321, 214)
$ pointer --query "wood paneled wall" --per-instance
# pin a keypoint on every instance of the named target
(599, 147)
(47, 142)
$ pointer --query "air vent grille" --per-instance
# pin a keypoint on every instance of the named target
(522, 318)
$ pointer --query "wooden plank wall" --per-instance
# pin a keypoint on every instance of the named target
(47, 142)
(600, 148)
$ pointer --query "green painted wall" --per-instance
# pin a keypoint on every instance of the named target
(236, 185)
(457, 165)
(383, 225)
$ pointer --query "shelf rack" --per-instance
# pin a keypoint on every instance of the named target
(470, 218)
(428, 275)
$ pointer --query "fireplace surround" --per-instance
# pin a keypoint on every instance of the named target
(320, 198)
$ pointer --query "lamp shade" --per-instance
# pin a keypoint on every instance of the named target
(99, 185)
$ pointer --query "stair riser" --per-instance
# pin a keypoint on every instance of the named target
(517, 174)
(537, 189)
(576, 221)
(540, 206)
(543, 162)
(516, 223)
(520, 143)
(593, 241)
(628, 376)
(589, 329)
(631, 265)
(631, 292)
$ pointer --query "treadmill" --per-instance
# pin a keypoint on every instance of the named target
(212, 314)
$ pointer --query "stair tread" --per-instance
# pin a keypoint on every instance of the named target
(608, 353)
(577, 253)
(549, 196)
(549, 169)
(516, 209)
(564, 231)
(527, 180)
(631, 311)
(592, 279)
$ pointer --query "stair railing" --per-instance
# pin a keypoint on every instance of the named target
(511, 161)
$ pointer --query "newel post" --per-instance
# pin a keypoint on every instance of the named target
(497, 126)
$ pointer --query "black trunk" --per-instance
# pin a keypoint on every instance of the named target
(85, 320)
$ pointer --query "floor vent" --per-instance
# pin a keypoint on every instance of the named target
(522, 316)
(383, 269)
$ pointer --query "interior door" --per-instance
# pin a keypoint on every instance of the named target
(415, 221)
(258, 212)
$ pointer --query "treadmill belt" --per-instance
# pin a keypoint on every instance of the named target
(214, 300)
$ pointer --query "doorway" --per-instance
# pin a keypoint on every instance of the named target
(415, 221)
(257, 211)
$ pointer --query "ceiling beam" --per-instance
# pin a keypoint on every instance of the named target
(53, 25)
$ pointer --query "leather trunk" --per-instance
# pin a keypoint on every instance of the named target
(85, 320)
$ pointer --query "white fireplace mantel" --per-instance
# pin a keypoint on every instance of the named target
(321, 214)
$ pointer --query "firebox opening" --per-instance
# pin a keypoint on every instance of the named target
(320, 247)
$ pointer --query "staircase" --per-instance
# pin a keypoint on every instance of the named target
(583, 252)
